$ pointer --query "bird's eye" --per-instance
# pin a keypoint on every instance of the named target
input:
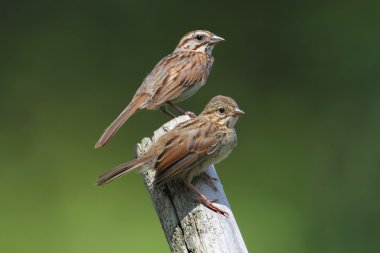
(221, 110)
(199, 37)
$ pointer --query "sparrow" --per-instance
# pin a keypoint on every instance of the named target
(175, 78)
(188, 149)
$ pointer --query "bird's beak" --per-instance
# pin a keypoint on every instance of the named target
(238, 112)
(216, 39)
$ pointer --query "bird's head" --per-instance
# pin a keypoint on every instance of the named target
(199, 41)
(222, 110)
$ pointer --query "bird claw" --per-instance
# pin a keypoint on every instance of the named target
(207, 203)
(210, 205)
(190, 114)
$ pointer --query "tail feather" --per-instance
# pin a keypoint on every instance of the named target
(118, 171)
(120, 120)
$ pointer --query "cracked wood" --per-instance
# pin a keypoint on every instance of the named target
(188, 225)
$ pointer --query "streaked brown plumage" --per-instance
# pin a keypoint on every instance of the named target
(175, 78)
(189, 148)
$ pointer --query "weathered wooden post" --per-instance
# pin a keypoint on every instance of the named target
(189, 226)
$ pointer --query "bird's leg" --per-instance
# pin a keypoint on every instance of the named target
(165, 111)
(176, 107)
(209, 180)
(181, 111)
(209, 204)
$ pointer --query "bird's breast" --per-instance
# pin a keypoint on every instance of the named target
(205, 63)
(228, 144)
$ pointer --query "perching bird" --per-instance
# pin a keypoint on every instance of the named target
(189, 148)
(175, 78)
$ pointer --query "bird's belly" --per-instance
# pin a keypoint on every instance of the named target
(188, 92)
(216, 158)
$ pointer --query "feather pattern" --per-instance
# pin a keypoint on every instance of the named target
(184, 74)
(174, 78)
(185, 151)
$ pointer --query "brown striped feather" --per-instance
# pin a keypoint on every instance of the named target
(182, 153)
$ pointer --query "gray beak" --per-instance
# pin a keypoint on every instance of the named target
(238, 112)
(216, 39)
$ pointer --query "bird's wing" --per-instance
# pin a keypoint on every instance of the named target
(184, 151)
(175, 74)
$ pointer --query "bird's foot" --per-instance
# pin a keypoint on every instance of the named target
(210, 205)
(207, 203)
(190, 114)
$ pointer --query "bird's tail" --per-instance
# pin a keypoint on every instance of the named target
(119, 171)
(120, 120)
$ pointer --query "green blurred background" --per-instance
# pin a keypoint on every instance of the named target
(305, 175)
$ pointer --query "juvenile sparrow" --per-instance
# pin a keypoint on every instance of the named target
(189, 148)
(175, 78)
